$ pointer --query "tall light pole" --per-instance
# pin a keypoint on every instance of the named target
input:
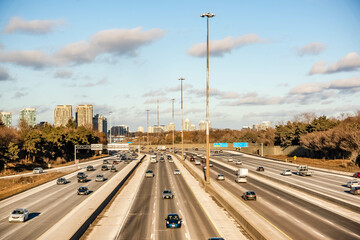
(207, 173)
(173, 132)
(110, 126)
(182, 119)
(147, 126)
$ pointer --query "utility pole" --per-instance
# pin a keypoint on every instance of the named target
(147, 126)
(207, 172)
(158, 122)
(173, 132)
(182, 119)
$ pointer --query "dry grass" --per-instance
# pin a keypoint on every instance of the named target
(337, 164)
(12, 186)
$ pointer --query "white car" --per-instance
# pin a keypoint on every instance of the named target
(19, 215)
(238, 162)
(38, 170)
(210, 164)
(286, 172)
(177, 172)
(220, 177)
(352, 183)
(197, 162)
(240, 179)
(230, 159)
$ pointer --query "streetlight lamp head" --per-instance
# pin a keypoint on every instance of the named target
(181, 79)
(207, 14)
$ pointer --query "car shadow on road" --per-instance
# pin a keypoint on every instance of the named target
(33, 215)
(347, 191)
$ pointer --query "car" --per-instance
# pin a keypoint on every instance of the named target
(352, 183)
(38, 170)
(220, 177)
(104, 168)
(192, 159)
(204, 167)
(238, 162)
(241, 180)
(162, 159)
(356, 175)
(83, 191)
(173, 221)
(61, 181)
(149, 173)
(286, 172)
(113, 169)
(210, 164)
(126, 161)
(19, 215)
(216, 238)
(355, 190)
(115, 162)
(196, 149)
(197, 162)
(105, 161)
(177, 172)
(220, 151)
(99, 178)
(249, 195)
(171, 160)
(216, 151)
(230, 159)
(260, 169)
(90, 168)
(167, 194)
(169, 157)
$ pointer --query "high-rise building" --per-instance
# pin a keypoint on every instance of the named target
(192, 127)
(118, 131)
(202, 125)
(100, 123)
(5, 118)
(159, 129)
(84, 116)
(263, 126)
(171, 126)
(62, 115)
(29, 116)
(150, 129)
(140, 129)
(187, 125)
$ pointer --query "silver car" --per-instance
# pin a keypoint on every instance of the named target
(177, 172)
(99, 178)
(38, 170)
(167, 194)
(19, 215)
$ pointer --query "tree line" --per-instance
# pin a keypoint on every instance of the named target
(43, 144)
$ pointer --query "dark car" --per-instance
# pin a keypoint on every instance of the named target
(260, 169)
(104, 168)
(173, 221)
(216, 238)
(356, 175)
(113, 169)
(192, 159)
(90, 168)
(61, 181)
(249, 195)
(105, 162)
(115, 162)
(83, 191)
(355, 190)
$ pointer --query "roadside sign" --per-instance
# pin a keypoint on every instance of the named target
(220, 144)
(129, 142)
(240, 144)
(96, 147)
(118, 146)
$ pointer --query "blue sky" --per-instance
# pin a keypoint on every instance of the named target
(269, 60)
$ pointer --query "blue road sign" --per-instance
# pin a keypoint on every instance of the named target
(240, 144)
(220, 144)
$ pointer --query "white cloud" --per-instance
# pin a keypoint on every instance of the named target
(313, 48)
(253, 98)
(63, 74)
(4, 75)
(118, 42)
(31, 58)
(102, 81)
(350, 62)
(218, 48)
(213, 92)
(17, 24)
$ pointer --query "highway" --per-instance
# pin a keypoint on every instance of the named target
(297, 218)
(150, 209)
(47, 204)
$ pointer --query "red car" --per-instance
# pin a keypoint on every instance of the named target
(115, 162)
(357, 175)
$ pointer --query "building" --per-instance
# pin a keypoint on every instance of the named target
(192, 127)
(263, 126)
(140, 129)
(159, 129)
(202, 125)
(6, 118)
(120, 131)
(84, 116)
(29, 116)
(150, 129)
(62, 115)
(171, 126)
(187, 125)
(100, 123)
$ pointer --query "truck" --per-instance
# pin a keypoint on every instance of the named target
(303, 170)
(161, 148)
(241, 175)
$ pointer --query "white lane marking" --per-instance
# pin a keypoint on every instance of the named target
(186, 235)
(152, 236)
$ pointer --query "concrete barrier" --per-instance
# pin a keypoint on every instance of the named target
(77, 221)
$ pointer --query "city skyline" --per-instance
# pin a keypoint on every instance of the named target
(268, 62)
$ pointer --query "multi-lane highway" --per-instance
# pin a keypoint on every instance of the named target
(48, 203)
(146, 219)
(296, 217)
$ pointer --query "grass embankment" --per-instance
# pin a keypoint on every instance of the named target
(337, 164)
(12, 186)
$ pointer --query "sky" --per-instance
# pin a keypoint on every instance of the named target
(269, 60)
